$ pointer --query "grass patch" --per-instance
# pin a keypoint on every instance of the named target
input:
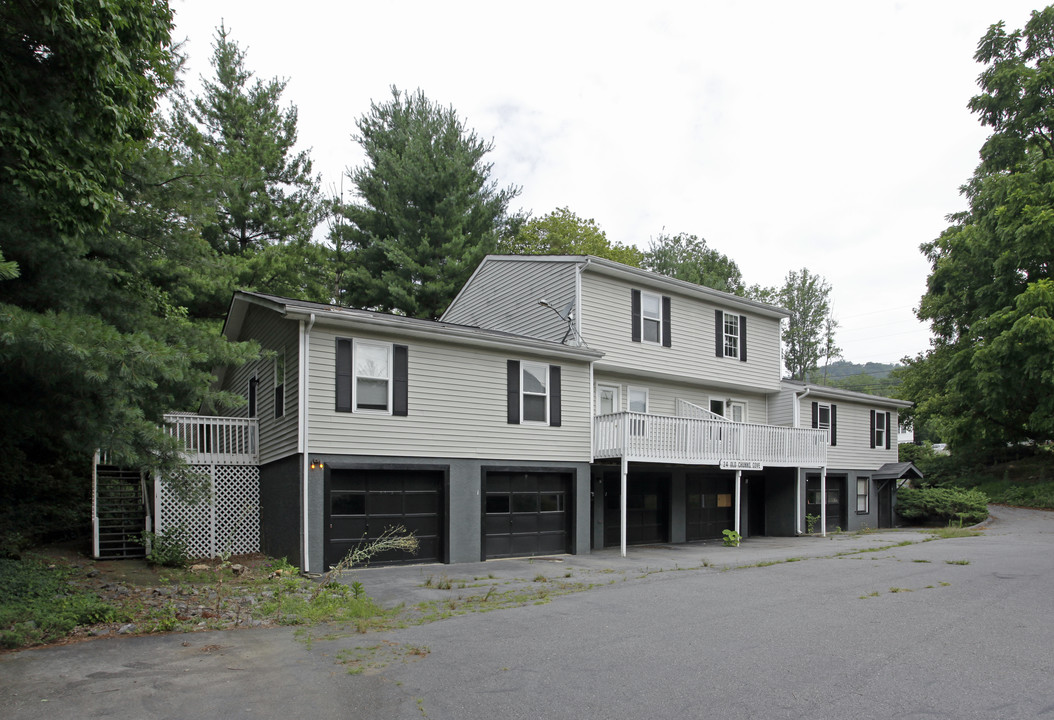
(39, 605)
(920, 561)
(899, 590)
(957, 562)
(952, 531)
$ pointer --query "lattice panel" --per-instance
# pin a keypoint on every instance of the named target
(219, 513)
(237, 508)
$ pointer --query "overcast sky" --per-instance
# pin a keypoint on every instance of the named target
(827, 135)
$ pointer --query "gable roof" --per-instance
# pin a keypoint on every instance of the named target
(406, 326)
(832, 393)
(646, 278)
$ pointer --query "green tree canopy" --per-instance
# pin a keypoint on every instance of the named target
(562, 232)
(687, 257)
(235, 179)
(92, 353)
(809, 335)
(427, 213)
(987, 383)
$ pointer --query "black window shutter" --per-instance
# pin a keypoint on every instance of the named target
(253, 383)
(742, 338)
(816, 415)
(834, 425)
(872, 428)
(635, 304)
(554, 395)
(400, 380)
(513, 371)
(719, 333)
(667, 336)
(343, 375)
(888, 430)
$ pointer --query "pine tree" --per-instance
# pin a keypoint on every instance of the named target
(428, 211)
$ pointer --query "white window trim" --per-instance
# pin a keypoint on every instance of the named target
(866, 495)
(618, 395)
(356, 344)
(725, 335)
(644, 318)
(880, 432)
(524, 364)
(819, 422)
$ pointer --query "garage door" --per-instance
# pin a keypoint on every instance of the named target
(647, 509)
(708, 505)
(362, 503)
(526, 513)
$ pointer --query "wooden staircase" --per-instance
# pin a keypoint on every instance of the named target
(120, 513)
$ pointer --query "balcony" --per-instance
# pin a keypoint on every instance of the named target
(215, 440)
(706, 439)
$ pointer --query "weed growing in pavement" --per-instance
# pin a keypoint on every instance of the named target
(920, 561)
(899, 589)
(957, 562)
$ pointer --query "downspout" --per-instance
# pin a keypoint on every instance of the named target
(305, 346)
(739, 478)
(797, 491)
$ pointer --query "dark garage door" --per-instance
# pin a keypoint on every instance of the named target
(647, 509)
(708, 505)
(362, 503)
(526, 513)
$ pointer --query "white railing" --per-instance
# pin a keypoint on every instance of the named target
(223, 440)
(689, 440)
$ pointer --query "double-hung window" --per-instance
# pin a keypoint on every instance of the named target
(730, 335)
(372, 387)
(651, 317)
(372, 377)
(534, 397)
(825, 417)
(731, 332)
(880, 422)
(862, 493)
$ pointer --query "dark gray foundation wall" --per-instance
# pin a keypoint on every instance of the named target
(280, 509)
(853, 521)
(463, 512)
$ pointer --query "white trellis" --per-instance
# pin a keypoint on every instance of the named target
(217, 512)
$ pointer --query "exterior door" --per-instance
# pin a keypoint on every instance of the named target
(885, 504)
(361, 504)
(607, 399)
(836, 506)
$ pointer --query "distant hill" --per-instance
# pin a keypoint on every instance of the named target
(873, 378)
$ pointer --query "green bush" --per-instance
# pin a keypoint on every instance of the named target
(942, 504)
(168, 548)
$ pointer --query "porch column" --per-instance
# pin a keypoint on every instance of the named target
(739, 477)
(823, 502)
(797, 502)
(622, 502)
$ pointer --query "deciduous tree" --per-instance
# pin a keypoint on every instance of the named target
(562, 232)
(688, 257)
(808, 336)
(987, 383)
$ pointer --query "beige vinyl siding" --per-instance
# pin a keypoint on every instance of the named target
(278, 437)
(663, 396)
(504, 296)
(781, 409)
(607, 326)
(854, 450)
(457, 406)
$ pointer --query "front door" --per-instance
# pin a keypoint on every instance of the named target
(836, 517)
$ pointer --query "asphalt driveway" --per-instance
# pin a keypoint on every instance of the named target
(953, 628)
